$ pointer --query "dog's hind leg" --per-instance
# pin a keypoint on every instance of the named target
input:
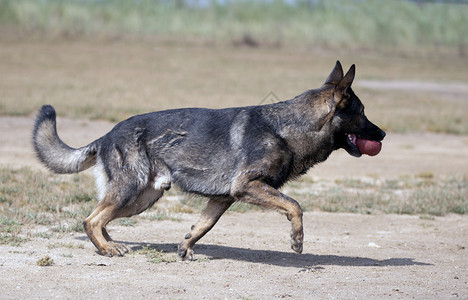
(261, 194)
(94, 226)
(107, 211)
(215, 207)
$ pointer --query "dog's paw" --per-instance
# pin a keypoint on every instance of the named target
(114, 249)
(185, 254)
(296, 245)
(297, 239)
(121, 248)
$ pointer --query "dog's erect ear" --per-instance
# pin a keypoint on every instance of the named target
(341, 89)
(340, 97)
(336, 75)
(347, 80)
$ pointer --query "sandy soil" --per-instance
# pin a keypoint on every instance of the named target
(247, 256)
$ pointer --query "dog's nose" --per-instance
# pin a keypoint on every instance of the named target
(382, 134)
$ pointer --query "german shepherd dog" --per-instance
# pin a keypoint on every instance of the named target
(235, 154)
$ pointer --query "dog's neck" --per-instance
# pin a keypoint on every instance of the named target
(309, 138)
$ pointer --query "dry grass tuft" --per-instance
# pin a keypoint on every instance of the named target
(157, 256)
(46, 261)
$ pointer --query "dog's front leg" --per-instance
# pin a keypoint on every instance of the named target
(261, 194)
(215, 207)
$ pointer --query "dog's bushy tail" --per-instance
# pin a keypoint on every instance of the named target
(53, 152)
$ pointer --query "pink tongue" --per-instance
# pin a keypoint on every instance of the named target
(368, 147)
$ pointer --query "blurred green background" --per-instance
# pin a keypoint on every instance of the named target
(434, 26)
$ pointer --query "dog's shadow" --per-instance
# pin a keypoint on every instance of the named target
(277, 258)
(282, 259)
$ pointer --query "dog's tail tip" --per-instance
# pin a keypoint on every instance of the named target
(47, 112)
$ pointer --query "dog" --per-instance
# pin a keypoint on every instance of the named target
(234, 154)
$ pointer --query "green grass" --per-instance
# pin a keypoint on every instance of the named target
(333, 23)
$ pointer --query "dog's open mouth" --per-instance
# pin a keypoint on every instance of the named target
(364, 146)
(352, 138)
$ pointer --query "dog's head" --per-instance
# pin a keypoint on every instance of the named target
(353, 131)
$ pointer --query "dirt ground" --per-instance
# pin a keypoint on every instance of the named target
(247, 256)
(345, 256)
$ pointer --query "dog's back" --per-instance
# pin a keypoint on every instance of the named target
(204, 149)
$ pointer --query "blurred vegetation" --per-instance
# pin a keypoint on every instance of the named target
(397, 25)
